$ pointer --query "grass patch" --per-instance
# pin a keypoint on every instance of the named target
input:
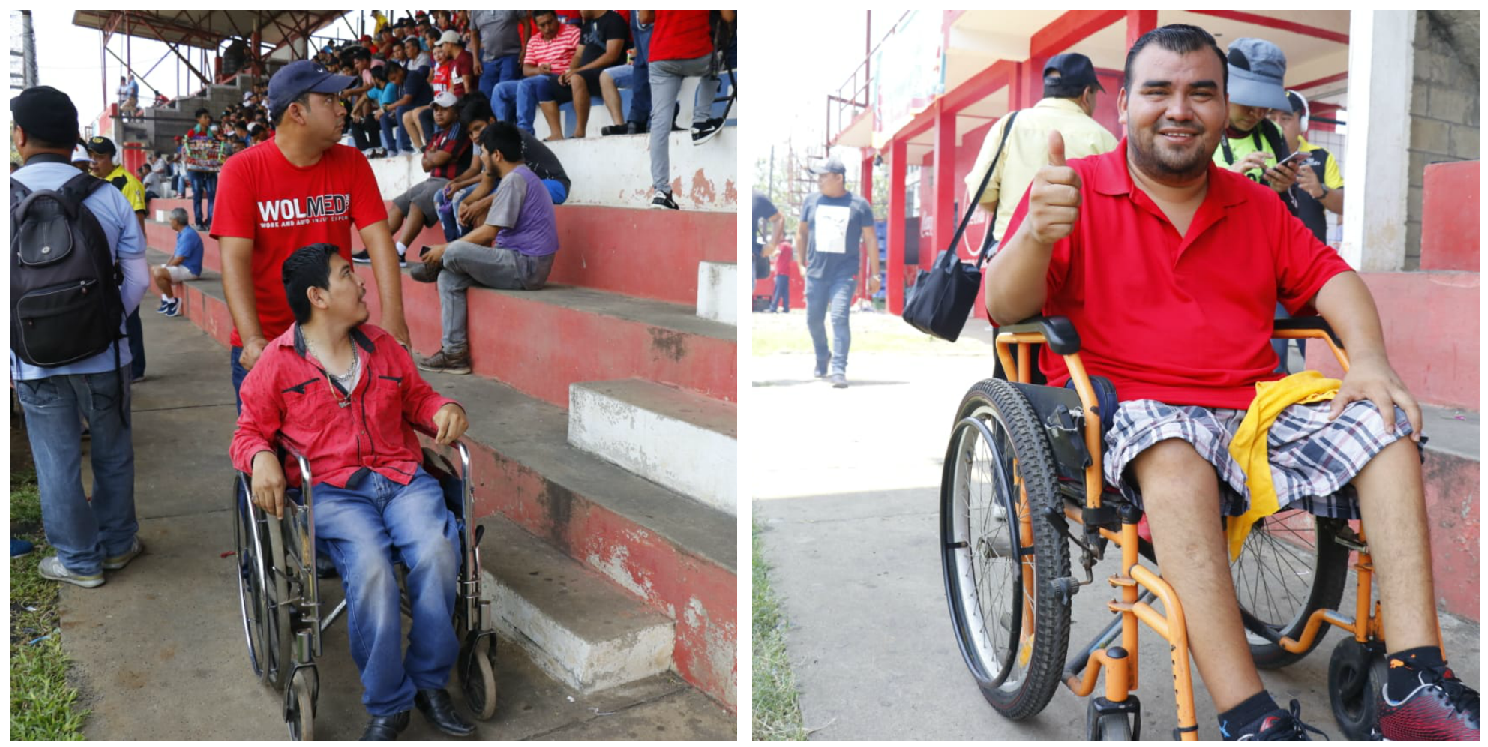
(871, 333)
(777, 705)
(42, 704)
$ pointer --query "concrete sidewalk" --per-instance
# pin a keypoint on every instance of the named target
(847, 490)
(158, 651)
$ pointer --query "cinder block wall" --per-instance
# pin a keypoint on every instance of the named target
(1445, 104)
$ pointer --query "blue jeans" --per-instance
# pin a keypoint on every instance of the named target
(84, 532)
(136, 343)
(825, 296)
(499, 70)
(403, 142)
(361, 526)
(516, 100)
(203, 183)
(640, 93)
(390, 127)
(238, 374)
(452, 228)
(782, 294)
(1280, 346)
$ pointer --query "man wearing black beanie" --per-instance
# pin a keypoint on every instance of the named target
(90, 537)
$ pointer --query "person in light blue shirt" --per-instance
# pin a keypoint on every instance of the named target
(101, 534)
(184, 265)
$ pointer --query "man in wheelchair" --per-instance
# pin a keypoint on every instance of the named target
(345, 395)
(1170, 269)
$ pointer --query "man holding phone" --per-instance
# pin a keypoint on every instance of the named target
(1253, 145)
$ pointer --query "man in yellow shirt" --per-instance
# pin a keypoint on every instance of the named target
(1070, 88)
(101, 152)
(1319, 182)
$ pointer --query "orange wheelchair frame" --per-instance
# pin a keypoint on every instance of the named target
(1101, 522)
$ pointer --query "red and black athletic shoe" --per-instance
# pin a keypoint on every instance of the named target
(1439, 708)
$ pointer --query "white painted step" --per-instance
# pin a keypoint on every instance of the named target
(718, 291)
(575, 624)
(677, 439)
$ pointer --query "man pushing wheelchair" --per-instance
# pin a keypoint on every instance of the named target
(1170, 268)
(345, 395)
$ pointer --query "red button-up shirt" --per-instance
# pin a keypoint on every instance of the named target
(1186, 319)
(289, 396)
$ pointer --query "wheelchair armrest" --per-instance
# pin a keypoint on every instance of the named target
(1059, 331)
(1300, 323)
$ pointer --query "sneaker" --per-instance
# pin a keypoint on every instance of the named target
(1279, 726)
(20, 548)
(629, 128)
(821, 371)
(164, 304)
(839, 381)
(119, 561)
(362, 257)
(446, 362)
(663, 201)
(702, 133)
(1439, 708)
(53, 569)
(427, 273)
(173, 308)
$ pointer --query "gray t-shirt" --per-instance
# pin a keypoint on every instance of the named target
(498, 32)
(836, 231)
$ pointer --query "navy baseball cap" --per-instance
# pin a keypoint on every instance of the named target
(301, 77)
(101, 145)
(1075, 73)
(833, 165)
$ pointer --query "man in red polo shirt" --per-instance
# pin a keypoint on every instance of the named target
(1170, 268)
(346, 396)
(302, 188)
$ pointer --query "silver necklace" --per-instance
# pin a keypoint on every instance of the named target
(347, 380)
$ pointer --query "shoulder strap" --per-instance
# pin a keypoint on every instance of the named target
(971, 208)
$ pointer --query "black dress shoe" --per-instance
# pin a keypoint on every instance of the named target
(440, 711)
(385, 728)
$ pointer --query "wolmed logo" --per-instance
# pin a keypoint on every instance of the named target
(320, 206)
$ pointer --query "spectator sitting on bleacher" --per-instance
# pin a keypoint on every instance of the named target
(419, 122)
(681, 47)
(418, 58)
(446, 156)
(604, 34)
(469, 206)
(522, 226)
(548, 56)
(475, 115)
(414, 91)
(459, 63)
(184, 265)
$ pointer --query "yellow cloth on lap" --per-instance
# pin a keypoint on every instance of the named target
(1248, 447)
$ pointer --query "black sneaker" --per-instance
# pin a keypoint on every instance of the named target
(426, 272)
(702, 133)
(629, 128)
(362, 257)
(664, 201)
(1278, 726)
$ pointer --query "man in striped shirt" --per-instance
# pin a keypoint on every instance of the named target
(548, 56)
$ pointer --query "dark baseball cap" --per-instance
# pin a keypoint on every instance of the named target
(46, 114)
(1075, 74)
(101, 145)
(832, 165)
(301, 77)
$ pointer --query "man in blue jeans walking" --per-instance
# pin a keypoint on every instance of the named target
(101, 534)
(354, 423)
(834, 224)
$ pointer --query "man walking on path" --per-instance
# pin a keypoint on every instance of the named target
(101, 152)
(835, 225)
(98, 534)
(300, 188)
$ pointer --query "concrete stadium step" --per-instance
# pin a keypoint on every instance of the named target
(718, 291)
(672, 552)
(646, 253)
(1452, 474)
(574, 624)
(547, 340)
(677, 439)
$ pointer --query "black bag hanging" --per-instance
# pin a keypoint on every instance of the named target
(943, 295)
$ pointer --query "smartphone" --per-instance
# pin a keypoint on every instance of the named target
(1297, 157)
(423, 251)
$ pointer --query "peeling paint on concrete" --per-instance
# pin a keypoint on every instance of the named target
(702, 189)
(671, 345)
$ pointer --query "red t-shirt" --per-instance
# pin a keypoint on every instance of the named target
(439, 76)
(461, 66)
(1185, 320)
(783, 260)
(680, 35)
(282, 207)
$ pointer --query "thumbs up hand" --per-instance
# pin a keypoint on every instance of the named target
(1054, 197)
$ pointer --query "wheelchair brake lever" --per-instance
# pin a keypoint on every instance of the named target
(480, 531)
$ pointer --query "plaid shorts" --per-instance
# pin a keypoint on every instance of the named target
(1313, 459)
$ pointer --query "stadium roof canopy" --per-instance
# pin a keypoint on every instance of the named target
(206, 29)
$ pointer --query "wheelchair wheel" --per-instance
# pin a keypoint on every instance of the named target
(251, 578)
(279, 638)
(478, 675)
(1290, 566)
(1012, 629)
(299, 706)
(1356, 672)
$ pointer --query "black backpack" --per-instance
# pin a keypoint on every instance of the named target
(65, 303)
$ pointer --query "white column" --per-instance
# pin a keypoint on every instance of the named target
(1381, 62)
